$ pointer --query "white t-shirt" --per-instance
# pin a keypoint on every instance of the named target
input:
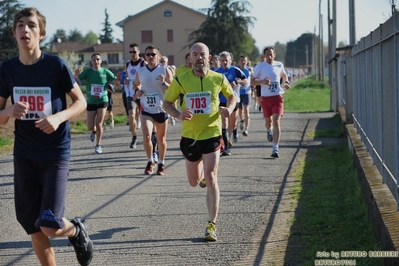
(273, 71)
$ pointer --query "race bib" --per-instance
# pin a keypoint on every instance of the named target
(150, 100)
(39, 99)
(273, 87)
(97, 90)
(199, 102)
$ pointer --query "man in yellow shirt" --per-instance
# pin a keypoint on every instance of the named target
(201, 141)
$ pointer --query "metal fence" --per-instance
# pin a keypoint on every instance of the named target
(368, 89)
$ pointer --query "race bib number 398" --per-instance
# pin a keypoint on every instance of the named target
(39, 99)
(199, 102)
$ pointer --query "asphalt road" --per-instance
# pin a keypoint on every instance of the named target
(134, 219)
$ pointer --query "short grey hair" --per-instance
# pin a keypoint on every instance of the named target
(225, 53)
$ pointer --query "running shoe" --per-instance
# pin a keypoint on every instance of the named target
(81, 242)
(202, 183)
(245, 133)
(92, 136)
(269, 136)
(112, 124)
(173, 120)
(241, 124)
(230, 144)
(275, 153)
(98, 149)
(133, 144)
(161, 169)
(104, 126)
(210, 232)
(226, 152)
(149, 168)
(155, 156)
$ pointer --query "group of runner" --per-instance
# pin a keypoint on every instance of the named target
(208, 104)
(210, 120)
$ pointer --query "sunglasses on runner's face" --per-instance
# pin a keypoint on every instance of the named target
(151, 54)
(96, 59)
(132, 52)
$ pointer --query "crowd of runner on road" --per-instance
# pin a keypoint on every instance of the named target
(210, 95)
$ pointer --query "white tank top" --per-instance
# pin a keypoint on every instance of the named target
(131, 73)
(154, 93)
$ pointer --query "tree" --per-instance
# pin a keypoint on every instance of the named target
(281, 50)
(75, 36)
(296, 51)
(8, 48)
(59, 36)
(107, 36)
(72, 60)
(226, 29)
(342, 44)
(90, 38)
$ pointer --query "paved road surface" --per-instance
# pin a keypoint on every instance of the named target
(134, 219)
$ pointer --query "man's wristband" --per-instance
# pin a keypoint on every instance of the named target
(287, 82)
(165, 84)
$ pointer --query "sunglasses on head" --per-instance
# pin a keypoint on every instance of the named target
(132, 52)
(151, 54)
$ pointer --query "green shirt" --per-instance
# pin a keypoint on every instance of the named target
(201, 95)
(96, 91)
(181, 69)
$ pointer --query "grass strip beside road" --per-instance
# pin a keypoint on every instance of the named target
(330, 212)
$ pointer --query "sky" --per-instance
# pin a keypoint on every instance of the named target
(276, 20)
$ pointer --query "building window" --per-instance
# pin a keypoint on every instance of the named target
(81, 58)
(113, 58)
(171, 60)
(146, 36)
(170, 35)
(167, 13)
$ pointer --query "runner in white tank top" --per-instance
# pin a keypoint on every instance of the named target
(132, 103)
(151, 84)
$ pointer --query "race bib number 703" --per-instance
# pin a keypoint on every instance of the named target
(199, 102)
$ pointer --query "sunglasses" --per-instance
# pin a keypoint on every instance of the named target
(150, 54)
(162, 61)
(96, 59)
(132, 52)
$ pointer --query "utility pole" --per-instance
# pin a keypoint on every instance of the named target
(314, 54)
(307, 58)
(352, 26)
(320, 46)
(333, 82)
(330, 46)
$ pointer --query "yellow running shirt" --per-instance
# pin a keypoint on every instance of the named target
(201, 95)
